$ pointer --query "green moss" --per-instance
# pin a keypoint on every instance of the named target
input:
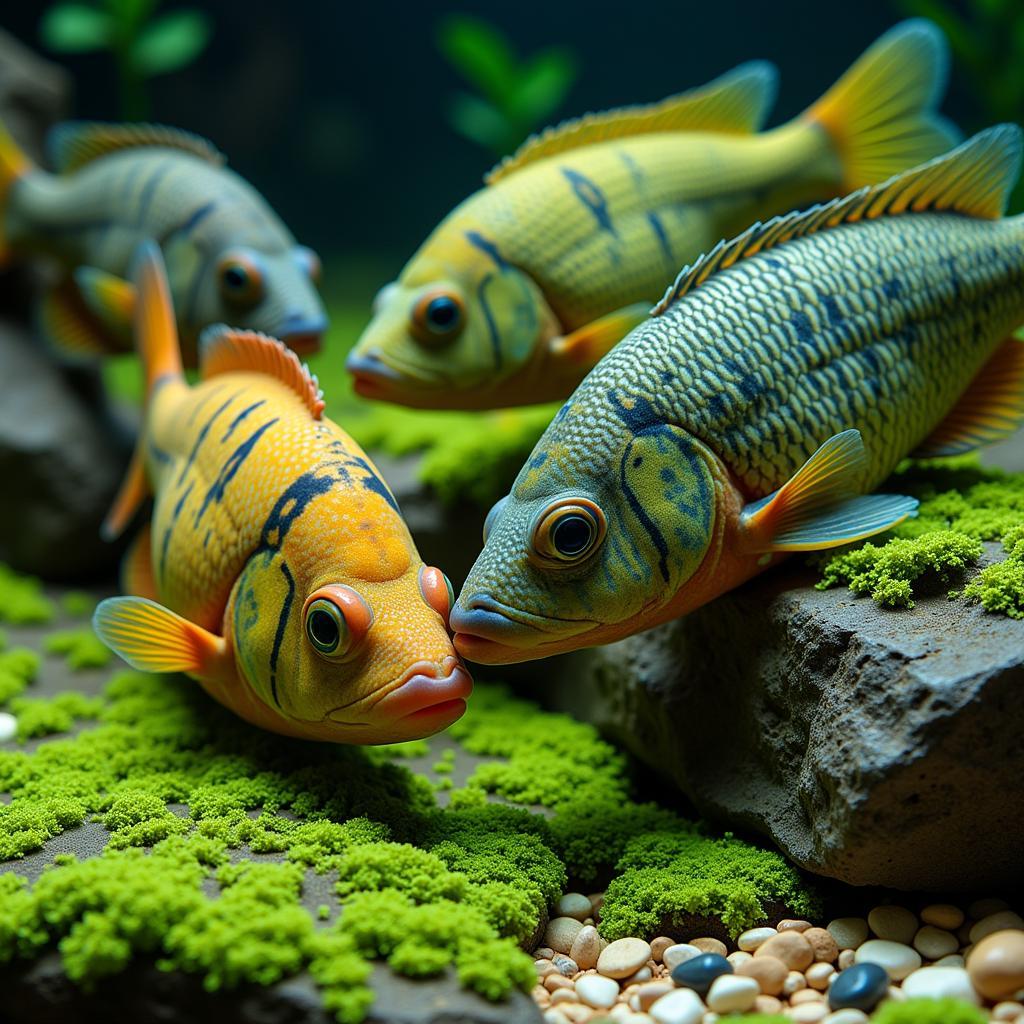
(22, 601)
(54, 714)
(1000, 587)
(18, 667)
(81, 647)
(78, 604)
(929, 1011)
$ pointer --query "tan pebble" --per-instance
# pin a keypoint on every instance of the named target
(767, 1005)
(769, 971)
(943, 915)
(1007, 1011)
(586, 947)
(982, 908)
(556, 981)
(644, 974)
(963, 933)
(847, 1015)
(749, 940)
(825, 947)
(679, 954)
(540, 992)
(820, 975)
(707, 944)
(710, 1018)
(847, 957)
(565, 965)
(849, 932)
(739, 957)
(805, 995)
(1001, 921)
(623, 957)
(596, 903)
(996, 965)
(577, 1012)
(897, 995)
(561, 932)
(650, 993)
(543, 968)
(543, 953)
(935, 943)
(588, 920)
(564, 995)
(808, 1013)
(893, 923)
(795, 982)
(792, 948)
(659, 945)
(555, 1017)
(793, 924)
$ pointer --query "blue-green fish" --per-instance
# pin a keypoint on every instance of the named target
(229, 257)
(782, 377)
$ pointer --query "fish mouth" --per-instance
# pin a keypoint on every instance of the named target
(304, 339)
(374, 378)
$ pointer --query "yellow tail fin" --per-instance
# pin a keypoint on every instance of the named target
(13, 165)
(881, 114)
(156, 332)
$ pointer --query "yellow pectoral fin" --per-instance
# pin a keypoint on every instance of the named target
(152, 638)
(816, 509)
(133, 492)
(110, 298)
(68, 323)
(587, 345)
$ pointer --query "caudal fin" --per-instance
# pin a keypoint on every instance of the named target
(13, 165)
(881, 114)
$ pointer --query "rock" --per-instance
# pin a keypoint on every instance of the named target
(849, 932)
(897, 959)
(769, 973)
(701, 971)
(897, 924)
(847, 1016)
(768, 1005)
(749, 940)
(808, 1013)
(709, 944)
(793, 924)
(731, 993)
(8, 726)
(574, 904)
(953, 960)
(586, 947)
(935, 943)
(658, 946)
(819, 975)
(565, 965)
(561, 933)
(825, 947)
(847, 957)
(683, 1006)
(940, 983)
(651, 992)
(597, 991)
(847, 733)
(1008, 1011)
(999, 921)
(943, 915)
(996, 965)
(623, 957)
(679, 954)
(792, 948)
(860, 987)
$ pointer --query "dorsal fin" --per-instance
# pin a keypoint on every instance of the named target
(736, 102)
(228, 350)
(74, 144)
(974, 179)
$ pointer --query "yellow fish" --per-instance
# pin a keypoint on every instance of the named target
(278, 571)
(529, 282)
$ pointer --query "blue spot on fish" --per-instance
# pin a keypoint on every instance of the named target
(835, 314)
(591, 196)
(802, 325)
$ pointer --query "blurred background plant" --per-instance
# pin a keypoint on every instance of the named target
(516, 96)
(142, 43)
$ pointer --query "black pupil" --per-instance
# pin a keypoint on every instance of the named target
(235, 278)
(443, 313)
(323, 629)
(571, 535)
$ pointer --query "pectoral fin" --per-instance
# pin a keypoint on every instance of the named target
(152, 638)
(818, 507)
(69, 324)
(587, 345)
(110, 299)
(133, 492)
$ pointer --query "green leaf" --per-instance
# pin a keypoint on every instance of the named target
(75, 28)
(543, 85)
(480, 52)
(482, 123)
(130, 14)
(171, 42)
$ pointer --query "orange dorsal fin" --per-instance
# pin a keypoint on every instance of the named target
(74, 144)
(975, 179)
(227, 350)
(734, 103)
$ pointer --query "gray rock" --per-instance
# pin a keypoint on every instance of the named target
(873, 746)
(34, 93)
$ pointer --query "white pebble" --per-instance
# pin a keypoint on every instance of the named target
(739, 957)
(896, 924)
(586, 947)
(8, 727)
(934, 943)
(644, 974)
(733, 993)
(940, 983)
(683, 1006)
(1002, 920)
(846, 958)
(597, 991)
(794, 982)
(574, 904)
(679, 954)
(953, 960)
(847, 1015)
(849, 932)
(555, 1017)
(819, 975)
(897, 959)
(748, 941)
(808, 1013)
(1007, 1011)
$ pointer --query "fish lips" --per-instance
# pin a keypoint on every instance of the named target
(303, 337)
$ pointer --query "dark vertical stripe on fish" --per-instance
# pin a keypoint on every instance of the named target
(282, 623)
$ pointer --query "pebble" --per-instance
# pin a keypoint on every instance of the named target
(597, 991)
(953, 960)
(819, 975)
(739, 957)
(860, 987)
(596, 903)
(768, 1005)
(897, 959)
(795, 982)
(793, 924)
(659, 945)
(699, 973)
(707, 944)
(805, 995)
(1000, 921)
(824, 945)
(982, 908)
(808, 1013)
(732, 993)
(679, 954)
(943, 915)
(651, 993)
(769, 972)
(847, 957)
(8, 727)
(575, 905)
(543, 953)
(935, 943)
(792, 948)
(682, 1006)
(586, 947)
(849, 932)
(847, 1016)
(940, 983)
(1007, 1011)
(996, 965)
(644, 974)
(623, 957)
(555, 981)
(749, 940)
(564, 995)
(555, 1017)
(561, 933)
(565, 965)
(895, 924)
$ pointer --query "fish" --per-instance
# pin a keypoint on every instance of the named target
(276, 569)
(519, 292)
(781, 379)
(229, 256)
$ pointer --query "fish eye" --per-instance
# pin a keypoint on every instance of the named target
(240, 279)
(437, 318)
(309, 262)
(566, 532)
(336, 619)
(492, 517)
(437, 591)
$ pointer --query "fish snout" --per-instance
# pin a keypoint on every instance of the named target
(429, 693)
(481, 616)
(370, 372)
(301, 333)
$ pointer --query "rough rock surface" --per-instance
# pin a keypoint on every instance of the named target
(877, 747)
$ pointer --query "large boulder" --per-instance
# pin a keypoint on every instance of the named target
(877, 747)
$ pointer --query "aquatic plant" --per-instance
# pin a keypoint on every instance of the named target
(929, 1011)
(516, 95)
(143, 45)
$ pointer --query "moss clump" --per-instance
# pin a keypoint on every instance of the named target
(77, 604)
(54, 714)
(18, 667)
(22, 601)
(929, 1011)
(81, 647)
(1000, 587)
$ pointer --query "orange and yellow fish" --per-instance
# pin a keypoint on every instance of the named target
(278, 571)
